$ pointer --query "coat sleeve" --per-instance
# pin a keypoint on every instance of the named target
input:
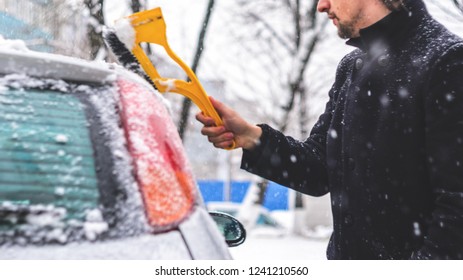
(444, 144)
(300, 165)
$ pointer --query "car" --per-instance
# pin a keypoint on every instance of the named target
(92, 167)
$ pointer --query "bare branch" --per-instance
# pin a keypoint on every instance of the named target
(297, 23)
(186, 106)
(273, 32)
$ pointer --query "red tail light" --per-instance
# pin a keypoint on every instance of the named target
(166, 183)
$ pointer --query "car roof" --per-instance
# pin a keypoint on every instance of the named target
(38, 64)
(59, 67)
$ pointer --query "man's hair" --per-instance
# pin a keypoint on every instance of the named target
(393, 4)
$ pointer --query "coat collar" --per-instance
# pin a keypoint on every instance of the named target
(391, 29)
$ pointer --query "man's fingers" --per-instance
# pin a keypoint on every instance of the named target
(219, 136)
(224, 144)
(223, 137)
(212, 131)
(205, 120)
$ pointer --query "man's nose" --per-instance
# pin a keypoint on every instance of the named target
(323, 6)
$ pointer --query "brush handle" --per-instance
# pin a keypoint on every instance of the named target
(192, 90)
(145, 23)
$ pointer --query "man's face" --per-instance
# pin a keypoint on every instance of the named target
(347, 15)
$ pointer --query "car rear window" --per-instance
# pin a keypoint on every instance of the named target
(46, 155)
(48, 184)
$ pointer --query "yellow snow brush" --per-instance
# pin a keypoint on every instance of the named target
(149, 27)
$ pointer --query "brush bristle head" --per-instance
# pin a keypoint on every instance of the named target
(123, 54)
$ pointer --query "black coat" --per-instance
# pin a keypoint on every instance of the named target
(389, 146)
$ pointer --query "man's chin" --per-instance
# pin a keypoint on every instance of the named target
(343, 36)
(345, 32)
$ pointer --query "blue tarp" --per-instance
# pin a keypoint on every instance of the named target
(211, 190)
(276, 197)
(13, 28)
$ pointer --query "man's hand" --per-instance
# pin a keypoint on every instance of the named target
(235, 128)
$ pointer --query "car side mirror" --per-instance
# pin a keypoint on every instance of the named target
(232, 230)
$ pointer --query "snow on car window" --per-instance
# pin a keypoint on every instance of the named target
(21, 224)
(44, 176)
(21, 81)
(46, 223)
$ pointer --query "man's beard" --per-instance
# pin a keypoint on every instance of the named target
(348, 30)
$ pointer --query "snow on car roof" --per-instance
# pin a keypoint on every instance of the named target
(15, 58)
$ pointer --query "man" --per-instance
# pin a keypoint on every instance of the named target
(389, 145)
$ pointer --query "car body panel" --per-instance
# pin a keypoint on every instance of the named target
(204, 243)
(167, 246)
